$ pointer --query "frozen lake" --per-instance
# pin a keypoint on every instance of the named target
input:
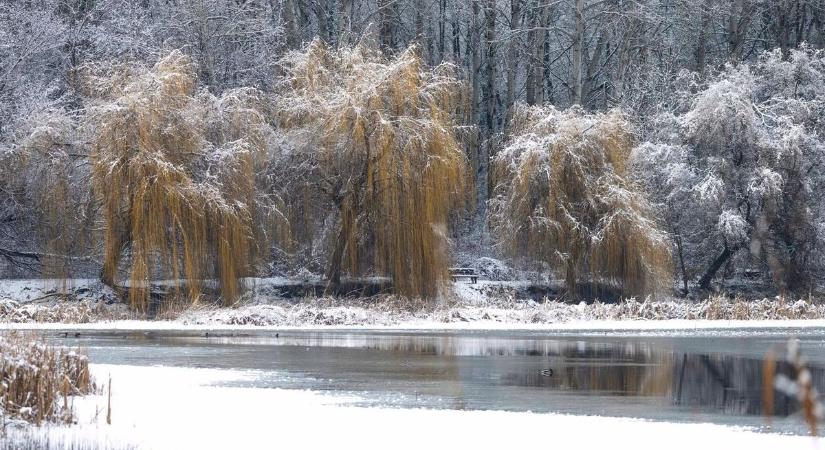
(684, 376)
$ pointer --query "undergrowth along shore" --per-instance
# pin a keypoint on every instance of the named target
(393, 310)
(37, 379)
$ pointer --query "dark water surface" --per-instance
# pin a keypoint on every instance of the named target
(707, 376)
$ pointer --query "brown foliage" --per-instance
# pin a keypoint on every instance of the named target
(563, 196)
(176, 174)
(378, 139)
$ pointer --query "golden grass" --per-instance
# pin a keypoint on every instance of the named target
(563, 196)
(37, 379)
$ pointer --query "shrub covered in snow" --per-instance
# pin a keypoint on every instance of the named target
(385, 311)
(737, 164)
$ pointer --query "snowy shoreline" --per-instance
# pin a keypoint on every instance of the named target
(486, 306)
(623, 326)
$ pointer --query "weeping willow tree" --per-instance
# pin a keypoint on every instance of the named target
(563, 196)
(176, 174)
(376, 139)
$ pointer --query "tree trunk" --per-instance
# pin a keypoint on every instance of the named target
(337, 258)
(386, 28)
(701, 46)
(710, 273)
(681, 254)
(475, 60)
(322, 17)
(456, 37)
(532, 61)
(543, 55)
(578, 53)
(512, 53)
(593, 62)
(442, 26)
(290, 28)
(489, 42)
(570, 279)
(345, 21)
(738, 24)
(419, 23)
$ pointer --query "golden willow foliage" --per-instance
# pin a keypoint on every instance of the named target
(176, 175)
(377, 138)
(563, 196)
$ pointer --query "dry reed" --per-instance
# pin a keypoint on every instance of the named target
(38, 379)
(799, 387)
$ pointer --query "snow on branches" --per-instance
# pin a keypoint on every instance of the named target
(176, 175)
(375, 138)
(748, 146)
(563, 195)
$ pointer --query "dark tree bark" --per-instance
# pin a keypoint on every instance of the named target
(513, 53)
(710, 273)
(490, 66)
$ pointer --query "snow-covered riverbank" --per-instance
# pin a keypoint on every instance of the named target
(485, 306)
(181, 408)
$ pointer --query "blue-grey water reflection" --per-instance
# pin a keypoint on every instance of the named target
(708, 377)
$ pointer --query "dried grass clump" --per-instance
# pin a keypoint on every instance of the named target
(799, 386)
(37, 379)
(563, 196)
(177, 174)
(60, 311)
(377, 138)
(778, 308)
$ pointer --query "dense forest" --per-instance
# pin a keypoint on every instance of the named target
(651, 145)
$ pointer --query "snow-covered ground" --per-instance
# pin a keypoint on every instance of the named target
(488, 305)
(183, 408)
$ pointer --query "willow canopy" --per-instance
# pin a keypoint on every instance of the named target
(564, 196)
(377, 138)
(176, 172)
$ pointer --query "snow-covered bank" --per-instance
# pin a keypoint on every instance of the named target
(484, 306)
(595, 326)
(182, 408)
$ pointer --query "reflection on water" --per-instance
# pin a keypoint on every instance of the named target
(687, 378)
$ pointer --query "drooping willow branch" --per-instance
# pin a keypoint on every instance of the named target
(176, 174)
(564, 196)
(381, 137)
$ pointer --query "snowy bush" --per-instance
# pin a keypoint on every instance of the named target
(748, 147)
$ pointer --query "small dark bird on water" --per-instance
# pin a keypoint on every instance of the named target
(547, 372)
(65, 334)
(276, 335)
(77, 334)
